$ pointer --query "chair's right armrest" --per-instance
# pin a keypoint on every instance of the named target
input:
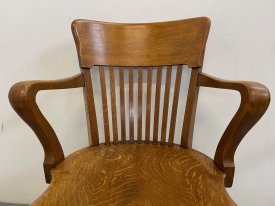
(255, 99)
(22, 97)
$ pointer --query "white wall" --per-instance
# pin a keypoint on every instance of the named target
(36, 43)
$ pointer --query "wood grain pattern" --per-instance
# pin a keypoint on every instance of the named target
(104, 105)
(136, 174)
(190, 110)
(131, 105)
(166, 104)
(144, 44)
(139, 134)
(175, 105)
(140, 174)
(255, 99)
(148, 104)
(22, 98)
(122, 104)
(157, 104)
(113, 103)
(90, 107)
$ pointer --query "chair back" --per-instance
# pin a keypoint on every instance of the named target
(140, 68)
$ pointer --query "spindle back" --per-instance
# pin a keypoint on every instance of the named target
(126, 64)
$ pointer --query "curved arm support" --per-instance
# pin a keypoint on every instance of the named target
(255, 99)
(22, 97)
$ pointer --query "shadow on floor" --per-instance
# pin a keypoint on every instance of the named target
(11, 204)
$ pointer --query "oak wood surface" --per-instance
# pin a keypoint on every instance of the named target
(131, 105)
(157, 104)
(140, 174)
(122, 104)
(255, 99)
(139, 134)
(166, 104)
(148, 104)
(104, 105)
(22, 98)
(113, 103)
(90, 107)
(166, 43)
(190, 110)
(136, 174)
(175, 105)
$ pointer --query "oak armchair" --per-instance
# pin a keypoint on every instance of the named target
(139, 165)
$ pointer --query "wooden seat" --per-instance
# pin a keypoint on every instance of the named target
(132, 76)
(136, 174)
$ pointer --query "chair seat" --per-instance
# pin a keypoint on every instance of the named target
(136, 174)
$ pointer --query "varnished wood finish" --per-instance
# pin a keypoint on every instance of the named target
(157, 104)
(166, 43)
(131, 104)
(113, 103)
(175, 105)
(139, 134)
(90, 107)
(122, 105)
(190, 110)
(166, 104)
(22, 98)
(140, 174)
(136, 174)
(148, 104)
(104, 104)
(255, 99)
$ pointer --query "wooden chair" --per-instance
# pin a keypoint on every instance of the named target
(134, 167)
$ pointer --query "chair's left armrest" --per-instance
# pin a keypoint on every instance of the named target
(255, 99)
(22, 97)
